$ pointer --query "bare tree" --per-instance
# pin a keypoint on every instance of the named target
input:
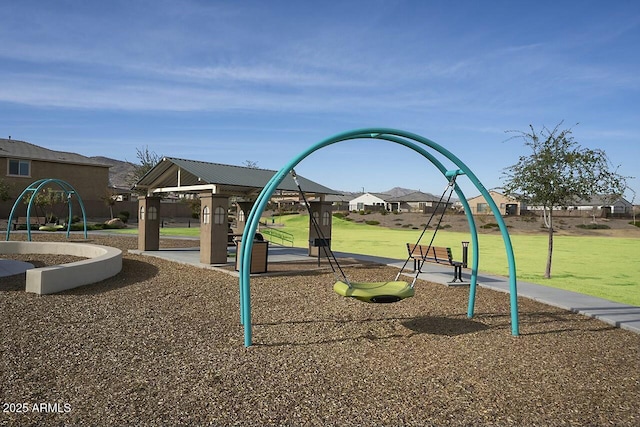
(147, 160)
(250, 164)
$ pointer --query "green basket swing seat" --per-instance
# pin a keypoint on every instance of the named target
(375, 292)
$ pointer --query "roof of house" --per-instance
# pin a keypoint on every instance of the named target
(494, 192)
(24, 150)
(601, 200)
(416, 196)
(381, 196)
(338, 198)
(173, 172)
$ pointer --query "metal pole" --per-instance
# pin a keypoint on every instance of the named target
(465, 254)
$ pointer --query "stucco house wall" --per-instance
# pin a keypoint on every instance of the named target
(506, 205)
(366, 199)
(89, 178)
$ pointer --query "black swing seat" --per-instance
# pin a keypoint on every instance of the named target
(375, 292)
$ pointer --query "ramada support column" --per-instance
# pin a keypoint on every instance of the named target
(322, 212)
(243, 212)
(148, 223)
(214, 228)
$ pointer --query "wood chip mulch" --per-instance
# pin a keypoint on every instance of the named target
(161, 344)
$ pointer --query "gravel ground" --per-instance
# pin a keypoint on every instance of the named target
(160, 344)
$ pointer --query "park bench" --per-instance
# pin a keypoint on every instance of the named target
(434, 254)
(35, 220)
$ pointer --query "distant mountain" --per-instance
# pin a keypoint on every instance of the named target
(120, 173)
(398, 191)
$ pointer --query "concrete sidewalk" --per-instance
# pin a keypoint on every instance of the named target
(613, 313)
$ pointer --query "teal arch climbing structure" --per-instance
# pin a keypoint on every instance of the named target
(33, 189)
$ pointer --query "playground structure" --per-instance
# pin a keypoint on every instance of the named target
(416, 143)
(32, 191)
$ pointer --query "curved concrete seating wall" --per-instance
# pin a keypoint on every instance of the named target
(103, 262)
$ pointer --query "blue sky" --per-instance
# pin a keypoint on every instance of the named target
(260, 81)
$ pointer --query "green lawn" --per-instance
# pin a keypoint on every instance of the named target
(600, 266)
(605, 267)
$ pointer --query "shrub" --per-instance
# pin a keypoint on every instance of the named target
(593, 226)
(372, 222)
(78, 226)
(124, 216)
(528, 218)
(637, 223)
(490, 225)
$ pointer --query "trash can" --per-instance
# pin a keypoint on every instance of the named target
(259, 256)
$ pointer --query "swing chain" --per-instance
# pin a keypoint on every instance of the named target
(450, 187)
(325, 246)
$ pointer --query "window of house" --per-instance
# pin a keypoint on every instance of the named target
(19, 167)
(483, 207)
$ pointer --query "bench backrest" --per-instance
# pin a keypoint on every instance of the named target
(440, 254)
(436, 253)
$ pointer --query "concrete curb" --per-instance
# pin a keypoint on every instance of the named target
(103, 262)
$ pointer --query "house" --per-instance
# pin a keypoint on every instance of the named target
(416, 201)
(339, 202)
(599, 205)
(24, 163)
(369, 201)
(507, 205)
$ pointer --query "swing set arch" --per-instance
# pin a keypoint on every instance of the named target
(418, 144)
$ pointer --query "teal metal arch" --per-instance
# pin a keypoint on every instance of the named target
(34, 188)
(393, 135)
